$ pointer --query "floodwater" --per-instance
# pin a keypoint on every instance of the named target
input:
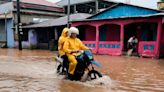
(34, 71)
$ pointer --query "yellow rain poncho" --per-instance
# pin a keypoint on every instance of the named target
(61, 41)
(72, 44)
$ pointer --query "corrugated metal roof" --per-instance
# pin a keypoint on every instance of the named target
(59, 21)
(142, 16)
(38, 2)
(65, 2)
(120, 4)
(6, 8)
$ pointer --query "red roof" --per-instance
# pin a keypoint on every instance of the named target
(38, 2)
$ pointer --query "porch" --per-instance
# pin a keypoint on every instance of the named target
(110, 36)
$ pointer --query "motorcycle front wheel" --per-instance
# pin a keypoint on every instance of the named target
(59, 68)
(93, 74)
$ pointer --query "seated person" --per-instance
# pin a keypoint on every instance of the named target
(71, 46)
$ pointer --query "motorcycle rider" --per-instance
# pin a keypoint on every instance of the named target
(71, 46)
(61, 41)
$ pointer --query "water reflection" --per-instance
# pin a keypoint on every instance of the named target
(134, 74)
(34, 71)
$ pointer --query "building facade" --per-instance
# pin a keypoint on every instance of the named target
(86, 6)
(31, 12)
(160, 5)
(45, 35)
(108, 32)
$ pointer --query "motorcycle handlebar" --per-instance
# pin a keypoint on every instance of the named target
(79, 51)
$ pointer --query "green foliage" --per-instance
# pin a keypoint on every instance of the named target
(162, 0)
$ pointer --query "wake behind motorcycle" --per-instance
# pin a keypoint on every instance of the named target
(85, 64)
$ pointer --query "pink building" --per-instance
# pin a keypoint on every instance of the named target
(108, 32)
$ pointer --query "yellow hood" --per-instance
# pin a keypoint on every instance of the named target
(65, 30)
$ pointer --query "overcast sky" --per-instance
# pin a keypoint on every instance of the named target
(145, 3)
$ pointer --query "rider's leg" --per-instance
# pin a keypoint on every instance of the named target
(72, 64)
(65, 60)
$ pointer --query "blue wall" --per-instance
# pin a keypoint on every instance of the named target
(122, 11)
(10, 33)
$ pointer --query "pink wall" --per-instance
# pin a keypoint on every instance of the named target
(110, 48)
(115, 21)
(147, 48)
(90, 45)
(142, 45)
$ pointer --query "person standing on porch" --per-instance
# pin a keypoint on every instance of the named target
(132, 44)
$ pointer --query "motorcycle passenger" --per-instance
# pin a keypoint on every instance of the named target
(61, 41)
(71, 46)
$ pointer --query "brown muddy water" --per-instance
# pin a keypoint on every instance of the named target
(34, 71)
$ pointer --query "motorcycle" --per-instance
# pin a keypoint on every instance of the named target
(85, 64)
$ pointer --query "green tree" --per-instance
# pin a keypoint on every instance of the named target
(162, 0)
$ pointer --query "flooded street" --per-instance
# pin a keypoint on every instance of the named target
(34, 71)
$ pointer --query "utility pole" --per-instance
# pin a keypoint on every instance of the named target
(18, 25)
(68, 14)
(6, 26)
(96, 6)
